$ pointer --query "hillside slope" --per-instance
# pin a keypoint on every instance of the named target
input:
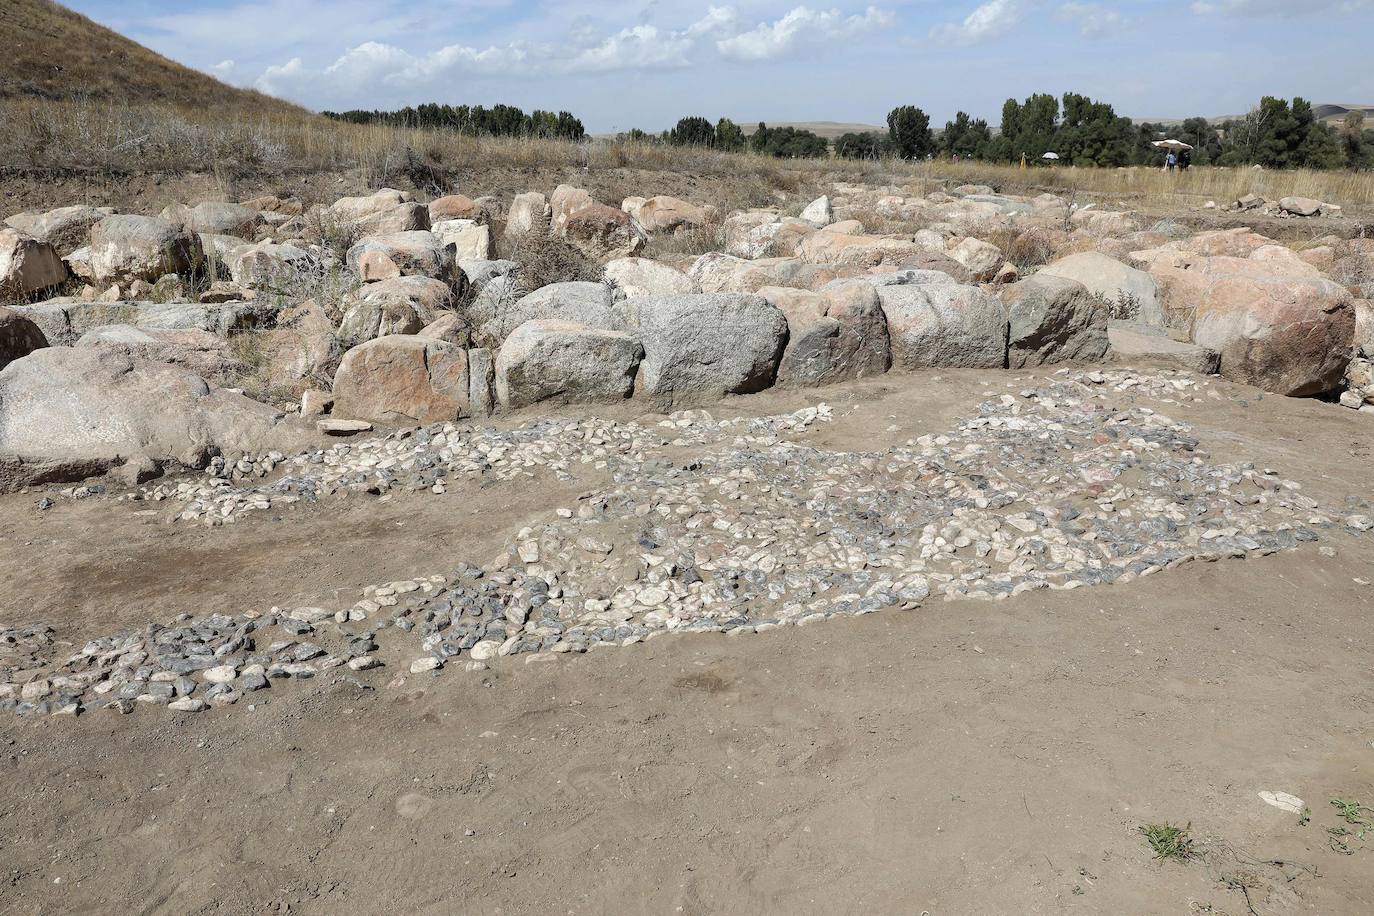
(53, 53)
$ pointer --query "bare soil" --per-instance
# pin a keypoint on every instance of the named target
(965, 757)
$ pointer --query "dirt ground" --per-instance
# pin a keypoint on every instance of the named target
(965, 757)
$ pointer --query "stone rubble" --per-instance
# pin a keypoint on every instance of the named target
(1073, 482)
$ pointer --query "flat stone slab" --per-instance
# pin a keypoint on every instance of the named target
(335, 427)
(1141, 348)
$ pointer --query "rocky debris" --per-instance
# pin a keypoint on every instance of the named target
(591, 304)
(935, 322)
(1132, 293)
(565, 362)
(1053, 320)
(18, 337)
(125, 248)
(1277, 323)
(470, 240)
(603, 233)
(837, 334)
(563, 203)
(66, 414)
(66, 229)
(698, 347)
(415, 254)
(1136, 347)
(763, 233)
(402, 380)
(756, 531)
(530, 213)
(643, 277)
(387, 212)
(1301, 206)
(27, 265)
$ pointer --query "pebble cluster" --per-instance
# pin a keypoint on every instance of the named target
(735, 526)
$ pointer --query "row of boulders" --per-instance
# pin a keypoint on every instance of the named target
(427, 325)
(1305, 207)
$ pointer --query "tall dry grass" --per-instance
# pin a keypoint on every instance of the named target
(50, 137)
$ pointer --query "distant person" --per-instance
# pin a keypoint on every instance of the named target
(1185, 160)
(1170, 161)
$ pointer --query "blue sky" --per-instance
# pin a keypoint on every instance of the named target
(646, 62)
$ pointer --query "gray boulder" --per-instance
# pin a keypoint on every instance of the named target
(217, 218)
(935, 322)
(1121, 286)
(70, 413)
(1053, 320)
(565, 362)
(591, 304)
(27, 265)
(65, 229)
(372, 317)
(644, 277)
(271, 267)
(125, 248)
(18, 337)
(1134, 347)
(698, 347)
(836, 334)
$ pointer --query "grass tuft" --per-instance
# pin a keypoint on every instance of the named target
(1170, 842)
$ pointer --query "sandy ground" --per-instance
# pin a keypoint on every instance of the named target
(965, 757)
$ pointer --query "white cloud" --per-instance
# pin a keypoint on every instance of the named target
(639, 47)
(223, 68)
(718, 20)
(1093, 20)
(802, 26)
(989, 20)
(1276, 7)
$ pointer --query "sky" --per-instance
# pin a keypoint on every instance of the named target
(645, 63)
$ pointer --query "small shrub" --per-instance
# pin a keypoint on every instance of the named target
(1170, 842)
(545, 260)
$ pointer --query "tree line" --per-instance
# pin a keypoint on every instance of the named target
(497, 121)
(727, 136)
(1275, 134)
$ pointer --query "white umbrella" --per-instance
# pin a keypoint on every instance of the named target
(1171, 144)
(1050, 156)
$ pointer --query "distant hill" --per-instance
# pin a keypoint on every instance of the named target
(50, 52)
(1333, 114)
(827, 129)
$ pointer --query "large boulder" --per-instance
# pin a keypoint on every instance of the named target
(981, 259)
(716, 272)
(837, 334)
(762, 233)
(65, 229)
(415, 254)
(207, 355)
(665, 214)
(384, 213)
(644, 277)
(470, 240)
(563, 203)
(453, 206)
(603, 233)
(529, 215)
(217, 218)
(403, 380)
(566, 362)
(858, 250)
(300, 350)
(698, 347)
(1134, 346)
(18, 337)
(935, 322)
(819, 213)
(1053, 320)
(270, 267)
(1129, 290)
(590, 304)
(371, 317)
(1278, 324)
(126, 248)
(425, 295)
(68, 413)
(27, 265)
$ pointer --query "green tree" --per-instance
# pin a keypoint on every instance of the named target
(908, 129)
(759, 141)
(861, 146)
(693, 131)
(729, 136)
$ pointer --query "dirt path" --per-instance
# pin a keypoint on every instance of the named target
(965, 757)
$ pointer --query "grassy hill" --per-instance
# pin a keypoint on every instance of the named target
(55, 54)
